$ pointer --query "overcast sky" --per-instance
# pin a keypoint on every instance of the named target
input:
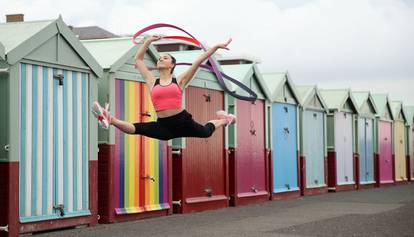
(361, 44)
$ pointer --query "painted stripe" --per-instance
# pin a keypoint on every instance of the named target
(156, 161)
(121, 155)
(69, 120)
(23, 127)
(28, 142)
(45, 143)
(117, 150)
(75, 105)
(143, 151)
(35, 141)
(166, 172)
(60, 154)
(85, 142)
(33, 177)
(137, 106)
(161, 172)
(39, 139)
(50, 139)
(126, 149)
(148, 161)
(157, 183)
(65, 115)
(131, 144)
(128, 152)
(79, 139)
(55, 157)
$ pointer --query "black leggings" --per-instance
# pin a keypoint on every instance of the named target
(179, 125)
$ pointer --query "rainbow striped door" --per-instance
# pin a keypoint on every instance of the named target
(53, 143)
(141, 182)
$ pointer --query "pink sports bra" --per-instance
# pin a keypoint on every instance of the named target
(166, 97)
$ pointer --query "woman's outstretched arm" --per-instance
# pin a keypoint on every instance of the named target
(184, 78)
(139, 60)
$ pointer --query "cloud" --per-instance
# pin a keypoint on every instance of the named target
(359, 43)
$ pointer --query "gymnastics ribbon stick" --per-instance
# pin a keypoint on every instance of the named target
(214, 68)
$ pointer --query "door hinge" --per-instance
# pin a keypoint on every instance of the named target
(4, 70)
(177, 203)
(60, 208)
(146, 114)
(4, 228)
(207, 97)
(148, 177)
(176, 152)
(209, 192)
(59, 77)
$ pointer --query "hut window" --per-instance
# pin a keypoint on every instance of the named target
(315, 115)
(344, 115)
(286, 109)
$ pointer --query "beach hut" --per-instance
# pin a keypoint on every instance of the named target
(365, 139)
(48, 156)
(313, 152)
(284, 135)
(409, 111)
(134, 171)
(384, 140)
(341, 138)
(400, 142)
(248, 138)
(200, 165)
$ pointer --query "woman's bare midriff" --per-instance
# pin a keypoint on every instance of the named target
(169, 112)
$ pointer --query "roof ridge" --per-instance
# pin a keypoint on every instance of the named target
(106, 39)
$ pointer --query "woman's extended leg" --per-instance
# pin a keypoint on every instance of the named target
(218, 123)
(192, 128)
(149, 129)
(124, 126)
(224, 119)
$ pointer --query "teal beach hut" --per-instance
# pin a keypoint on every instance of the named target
(313, 152)
(48, 166)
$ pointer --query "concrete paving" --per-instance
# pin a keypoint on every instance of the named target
(375, 212)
